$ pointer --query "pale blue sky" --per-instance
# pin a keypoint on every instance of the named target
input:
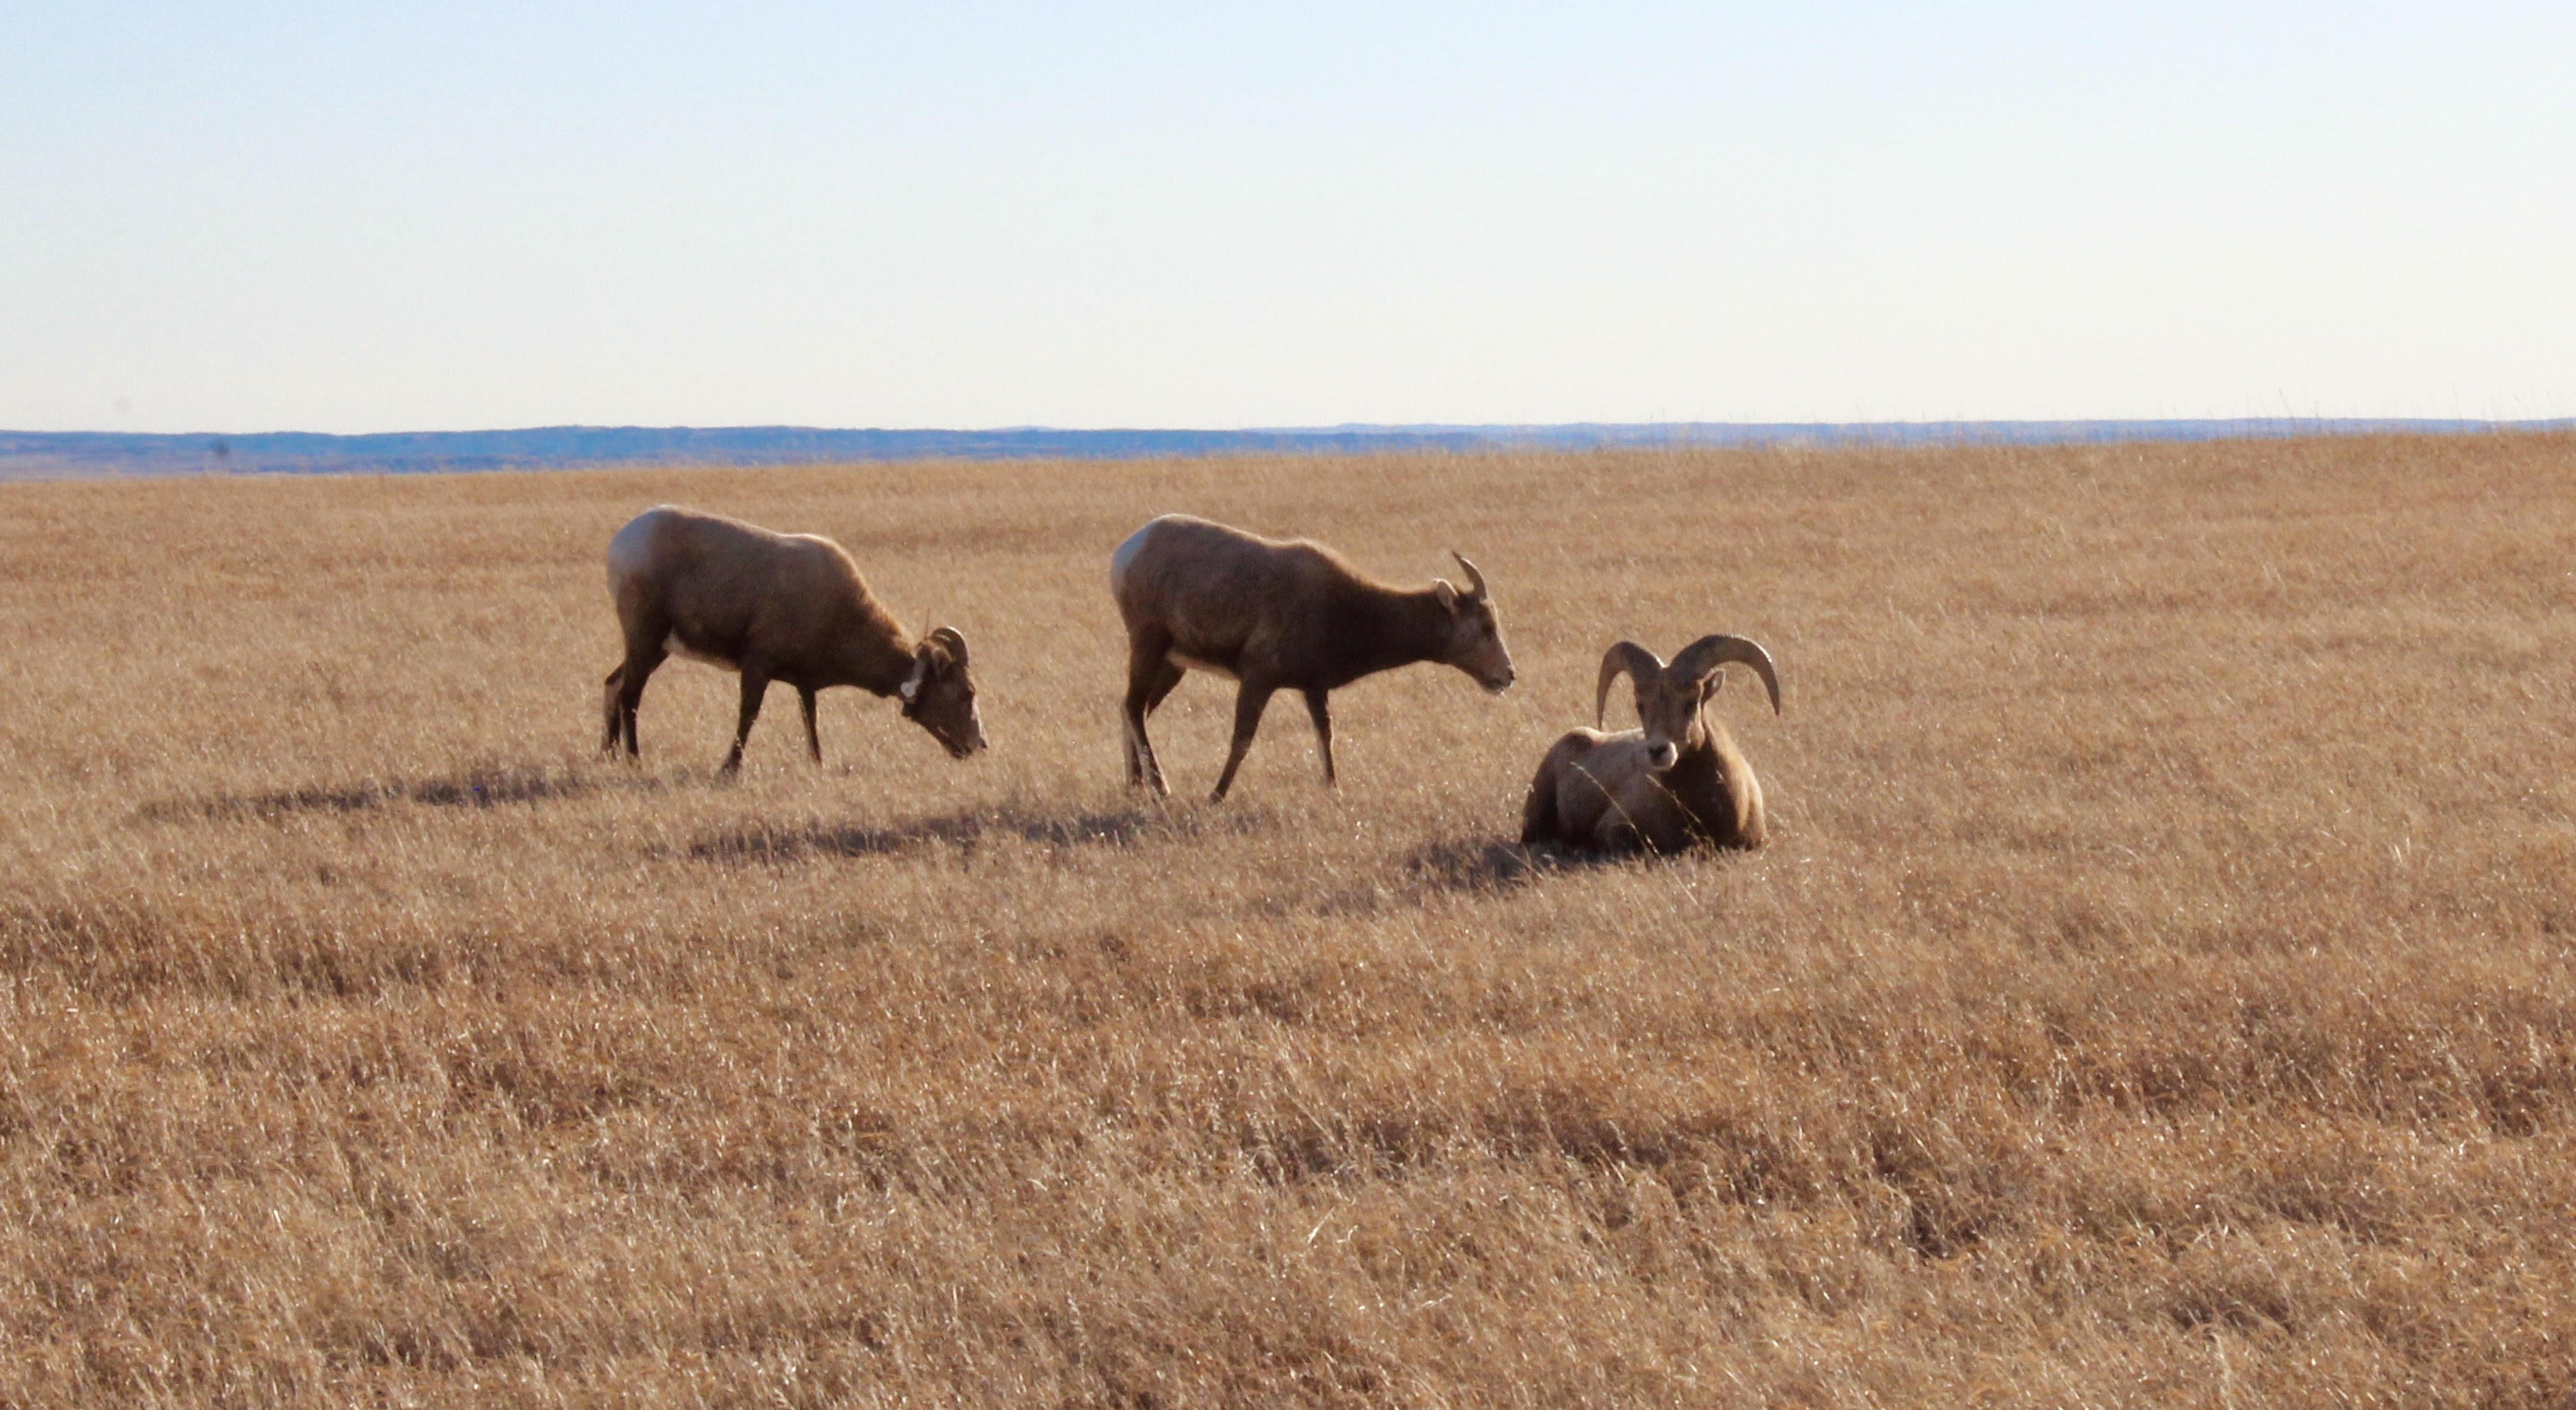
(380, 217)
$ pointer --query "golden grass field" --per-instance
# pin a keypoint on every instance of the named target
(2157, 992)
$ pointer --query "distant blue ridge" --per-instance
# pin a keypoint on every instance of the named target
(63, 454)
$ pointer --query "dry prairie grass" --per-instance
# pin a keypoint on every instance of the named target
(2158, 992)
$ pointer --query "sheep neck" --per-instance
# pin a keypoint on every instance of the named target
(1381, 630)
(874, 654)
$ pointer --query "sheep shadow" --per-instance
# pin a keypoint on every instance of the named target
(1487, 865)
(970, 830)
(474, 788)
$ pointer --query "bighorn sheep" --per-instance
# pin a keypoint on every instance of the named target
(1677, 781)
(783, 607)
(1278, 616)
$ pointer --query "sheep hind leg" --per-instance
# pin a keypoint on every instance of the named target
(1150, 677)
(623, 692)
(613, 716)
(1248, 706)
(1322, 715)
(1164, 684)
(754, 686)
(813, 741)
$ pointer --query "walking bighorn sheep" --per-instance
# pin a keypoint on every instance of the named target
(1677, 781)
(1278, 616)
(775, 607)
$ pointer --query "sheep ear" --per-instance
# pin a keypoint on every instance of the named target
(912, 684)
(1448, 595)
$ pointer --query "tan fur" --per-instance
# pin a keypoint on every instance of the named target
(1677, 781)
(774, 607)
(1277, 616)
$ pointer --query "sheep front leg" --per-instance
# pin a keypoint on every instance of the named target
(1248, 705)
(813, 741)
(755, 684)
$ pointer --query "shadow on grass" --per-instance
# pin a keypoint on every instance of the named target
(966, 831)
(1483, 864)
(475, 788)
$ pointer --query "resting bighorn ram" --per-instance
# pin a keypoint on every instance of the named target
(1675, 782)
(1278, 616)
(775, 607)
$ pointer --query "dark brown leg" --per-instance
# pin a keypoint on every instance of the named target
(1323, 718)
(1248, 705)
(629, 682)
(612, 715)
(813, 741)
(1150, 677)
(1163, 686)
(754, 686)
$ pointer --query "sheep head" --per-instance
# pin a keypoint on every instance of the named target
(939, 695)
(1475, 643)
(1669, 698)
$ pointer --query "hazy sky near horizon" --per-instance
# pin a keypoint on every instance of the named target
(371, 217)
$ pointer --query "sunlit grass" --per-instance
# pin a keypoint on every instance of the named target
(2157, 992)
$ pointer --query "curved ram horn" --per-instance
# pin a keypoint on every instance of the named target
(954, 640)
(1640, 664)
(1473, 577)
(1705, 655)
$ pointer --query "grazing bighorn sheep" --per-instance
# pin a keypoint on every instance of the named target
(1278, 616)
(775, 607)
(1677, 781)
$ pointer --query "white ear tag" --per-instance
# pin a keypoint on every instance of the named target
(910, 687)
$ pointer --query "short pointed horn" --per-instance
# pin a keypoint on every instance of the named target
(1710, 652)
(1640, 664)
(1473, 577)
(954, 640)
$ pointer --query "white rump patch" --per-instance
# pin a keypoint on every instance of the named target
(1126, 554)
(628, 553)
